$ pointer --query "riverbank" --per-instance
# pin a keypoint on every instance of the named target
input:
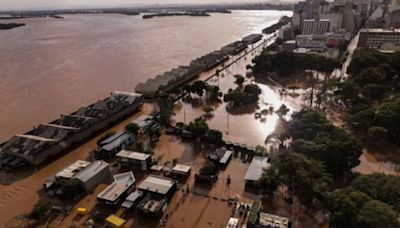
(10, 26)
(192, 14)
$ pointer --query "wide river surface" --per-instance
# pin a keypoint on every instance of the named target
(53, 66)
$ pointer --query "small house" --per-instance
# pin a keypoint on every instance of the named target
(134, 159)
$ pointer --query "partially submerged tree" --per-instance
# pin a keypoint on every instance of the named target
(208, 168)
(239, 80)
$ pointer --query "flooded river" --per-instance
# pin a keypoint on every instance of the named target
(52, 66)
(55, 66)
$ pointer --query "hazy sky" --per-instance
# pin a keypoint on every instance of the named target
(43, 4)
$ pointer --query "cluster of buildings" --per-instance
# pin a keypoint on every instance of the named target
(176, 77)
(382, 29)
(150, 197)
(50, 139)
(322, 27)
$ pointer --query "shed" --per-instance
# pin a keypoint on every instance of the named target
(256, 168)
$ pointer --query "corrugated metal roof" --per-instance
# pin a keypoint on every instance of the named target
(256, 168)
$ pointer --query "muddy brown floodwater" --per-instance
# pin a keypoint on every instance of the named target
(52, 66)
(22, 193)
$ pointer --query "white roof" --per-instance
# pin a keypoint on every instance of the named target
(232, 223)
(133, 155)
(91, 170)
(181, 168)
(73, 169)
(157, 184)
(256, 168)
(380, 30)
(122, 182)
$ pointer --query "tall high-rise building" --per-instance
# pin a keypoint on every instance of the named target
(393, 16)
(335, 21)
(312, 26)
(349, 17)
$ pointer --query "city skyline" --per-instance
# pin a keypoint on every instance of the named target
(49, 4)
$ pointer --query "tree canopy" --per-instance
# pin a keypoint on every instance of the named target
(385, 188)
(351, 208)
(314, 136)
(243, 96)
(306, 178)
(287, 63)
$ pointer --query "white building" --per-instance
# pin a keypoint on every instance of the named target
(383, 39)
(312, 26)
(310, 41)
(335, 21)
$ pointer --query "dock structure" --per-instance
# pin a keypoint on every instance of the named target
(116, 192)
(234, 48)
(49, 139)
(167, 81)
(178, 76)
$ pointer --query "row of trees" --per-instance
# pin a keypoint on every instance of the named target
(200, 88)
(286, 63)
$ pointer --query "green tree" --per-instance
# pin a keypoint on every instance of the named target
(214, 137)
(282, 111)
(317, 138)
(166, 105)
(377, 135)
(374, 91)
(306, 178)
(351, 208)
(269, 181)
(198, 87)
(208, 168)
(40, 209)
(198, 127)
(385, 188)
(361, 120)
(213, 93)
(239, 80)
